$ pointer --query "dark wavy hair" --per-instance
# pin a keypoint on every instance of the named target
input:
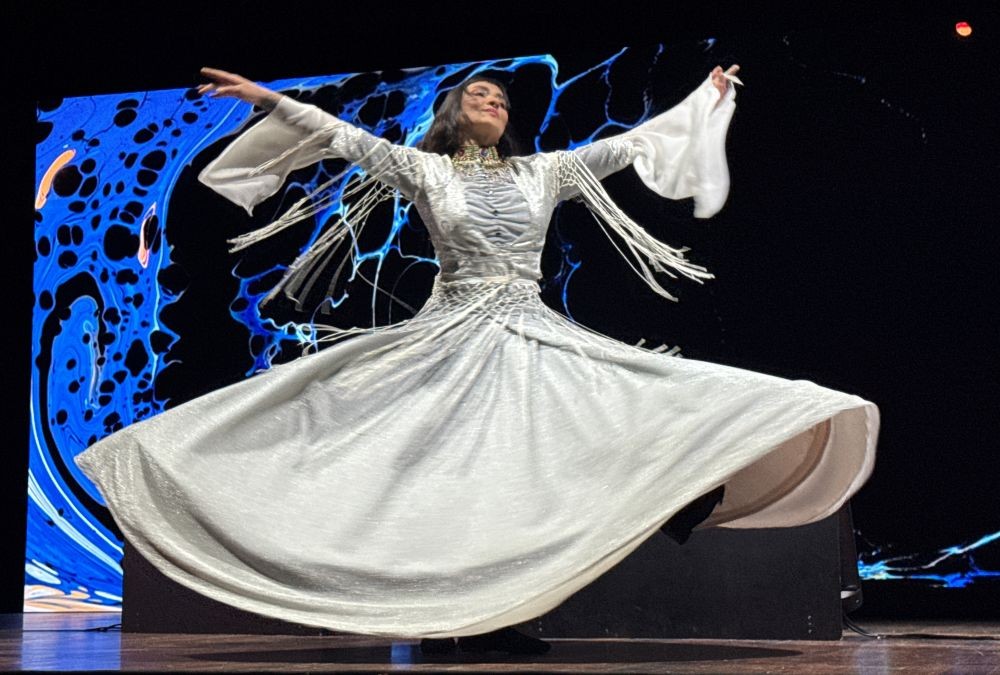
(444, 137)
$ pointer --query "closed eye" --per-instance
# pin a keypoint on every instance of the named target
(482, 93)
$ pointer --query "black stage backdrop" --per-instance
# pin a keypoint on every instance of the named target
(856, 249)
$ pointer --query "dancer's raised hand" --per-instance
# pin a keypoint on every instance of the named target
(722, 79)
(225, 84)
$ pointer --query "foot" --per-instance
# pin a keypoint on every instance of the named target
(437, 646)
(504, 640)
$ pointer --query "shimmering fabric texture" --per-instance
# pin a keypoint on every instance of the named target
(474, 466)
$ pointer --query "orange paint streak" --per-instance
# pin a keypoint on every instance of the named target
(46, 183)
(39, 598)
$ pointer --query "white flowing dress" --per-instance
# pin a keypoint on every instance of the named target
(474, 466)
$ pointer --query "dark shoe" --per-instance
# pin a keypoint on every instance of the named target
(679, 526)
(437, 646)
(503, 640)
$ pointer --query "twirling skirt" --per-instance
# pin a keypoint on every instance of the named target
(465, 470)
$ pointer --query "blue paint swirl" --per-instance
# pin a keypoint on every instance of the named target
(950, 567)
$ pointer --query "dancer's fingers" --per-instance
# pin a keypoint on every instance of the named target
(213, 72)
(731, 74)
(221, 76)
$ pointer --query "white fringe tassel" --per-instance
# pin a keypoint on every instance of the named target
(648, 254)
(341, 228)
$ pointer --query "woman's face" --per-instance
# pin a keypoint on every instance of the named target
(484, 113)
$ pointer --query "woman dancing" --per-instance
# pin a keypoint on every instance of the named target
(474, 466)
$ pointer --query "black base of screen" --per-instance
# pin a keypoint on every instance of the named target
(730, 584)
(152, 603)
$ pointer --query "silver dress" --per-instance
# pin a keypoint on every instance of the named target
(474, 466)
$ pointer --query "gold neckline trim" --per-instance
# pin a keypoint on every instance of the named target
(468, 156)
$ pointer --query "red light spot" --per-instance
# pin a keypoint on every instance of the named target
(963, 29)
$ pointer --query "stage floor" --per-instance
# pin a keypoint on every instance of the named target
(74, 641)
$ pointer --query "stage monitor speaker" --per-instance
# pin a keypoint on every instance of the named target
(731, 584)
(767, 584)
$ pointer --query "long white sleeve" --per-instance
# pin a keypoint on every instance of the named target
(682, 152)
(678, 154)
(294, 135)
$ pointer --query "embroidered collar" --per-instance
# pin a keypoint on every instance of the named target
(477, 157)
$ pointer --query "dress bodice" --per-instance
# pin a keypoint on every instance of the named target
(486, 231)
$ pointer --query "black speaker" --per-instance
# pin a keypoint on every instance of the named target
(775, 584)
(751, 584)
